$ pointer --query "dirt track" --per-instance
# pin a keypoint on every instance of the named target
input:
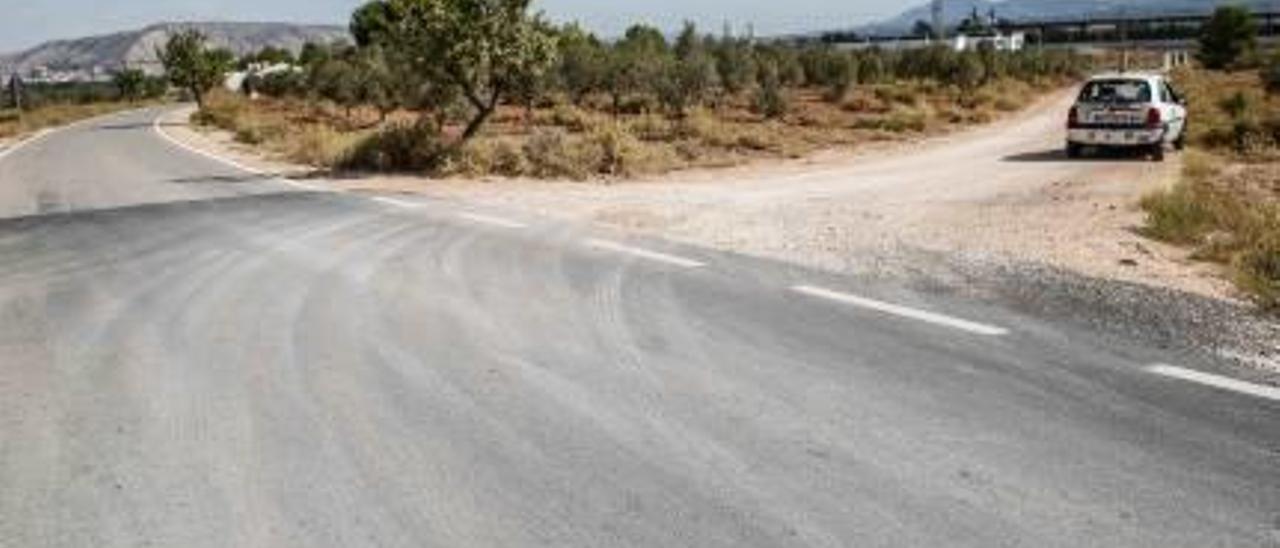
(998, 193)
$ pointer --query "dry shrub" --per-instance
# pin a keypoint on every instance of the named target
(650, 127)
(705, 127)
(319, 146)
(552, 153)
(861, 101)
(402, 146)
(46, 116)
(900, 94)
(1257, 269)
(1212, 210)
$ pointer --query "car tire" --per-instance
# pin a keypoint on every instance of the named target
(1181, 142)
(1074, 151)
(1157, 153)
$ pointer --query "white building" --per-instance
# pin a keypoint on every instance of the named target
(998, 41)
(1016, 41)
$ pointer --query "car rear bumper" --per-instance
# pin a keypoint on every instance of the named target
(1115, 137)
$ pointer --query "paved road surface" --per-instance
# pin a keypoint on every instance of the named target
(194, 356)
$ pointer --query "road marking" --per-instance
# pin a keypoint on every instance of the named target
(398, 203)
(155, 126)
(1216, 381)
(491, 220)
(25, 142)
(645, 253)
(41, 134)
(902, 311)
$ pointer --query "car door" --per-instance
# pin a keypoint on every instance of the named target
(1176, 111)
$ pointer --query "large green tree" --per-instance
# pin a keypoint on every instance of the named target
(637, 64)
(488, 50)
(189, 64)
(372, 23)
(1230, 36)
(130, 83)
(583, 63)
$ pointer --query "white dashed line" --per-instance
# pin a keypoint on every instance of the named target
(398, 203)
(902, 311)
(155, 126)
(1216, 381)
(645, 254)
(491, 220)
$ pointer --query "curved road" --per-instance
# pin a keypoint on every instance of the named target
(191, 355)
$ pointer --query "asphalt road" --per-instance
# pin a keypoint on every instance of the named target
(191, 356)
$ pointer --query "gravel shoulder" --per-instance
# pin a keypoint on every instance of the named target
(995, 210)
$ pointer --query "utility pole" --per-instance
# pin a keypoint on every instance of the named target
(939, 21)
(15, 92)
(1124, 41)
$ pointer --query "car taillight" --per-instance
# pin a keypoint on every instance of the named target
(1073, 119)
(1154, 118)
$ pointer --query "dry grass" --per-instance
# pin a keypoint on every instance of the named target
(589, 142)
(301, 133)
(1227, 204)
(12, 124)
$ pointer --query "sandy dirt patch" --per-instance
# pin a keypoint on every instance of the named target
(1001, 192)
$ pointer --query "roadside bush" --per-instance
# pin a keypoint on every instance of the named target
(616, 151)
(770, 99)
(1270, 74)
(1243, 132)
(412, 146)
(1181, 215)
(552, 153)
(320, 146)
(1258, 269)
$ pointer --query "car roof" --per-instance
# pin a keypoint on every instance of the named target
(1127, 76)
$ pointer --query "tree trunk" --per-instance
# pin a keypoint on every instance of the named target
(199, 97)
(477, 121)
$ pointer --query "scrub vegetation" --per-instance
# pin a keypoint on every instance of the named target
(1227, 204)
(486, 87)
(49, 105)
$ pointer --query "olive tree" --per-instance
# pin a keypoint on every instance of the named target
(131, 83)
(484, 49)
(583, 63)
(1230, 35)
(190, 65)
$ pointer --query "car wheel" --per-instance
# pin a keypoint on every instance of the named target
(1074, 150)
(1157, 153)
(1181, 142)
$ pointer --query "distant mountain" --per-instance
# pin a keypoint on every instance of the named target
(1024, 10)
(137, 48)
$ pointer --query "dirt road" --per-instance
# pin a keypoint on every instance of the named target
(1002, 192)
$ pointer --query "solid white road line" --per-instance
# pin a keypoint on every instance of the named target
(491, 220)
(644, 253)
(40, 135)
(398, 203)
(1216, 381)
(155, 126)
(25, 142)
(902, 311)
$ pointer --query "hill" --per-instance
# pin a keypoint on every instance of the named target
(1024, 10)
(109, 52)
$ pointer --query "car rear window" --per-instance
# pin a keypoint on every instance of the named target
(1116, 91)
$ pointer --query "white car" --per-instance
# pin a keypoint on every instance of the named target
(1129, 110)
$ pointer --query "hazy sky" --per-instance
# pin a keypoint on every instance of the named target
(25, 23)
